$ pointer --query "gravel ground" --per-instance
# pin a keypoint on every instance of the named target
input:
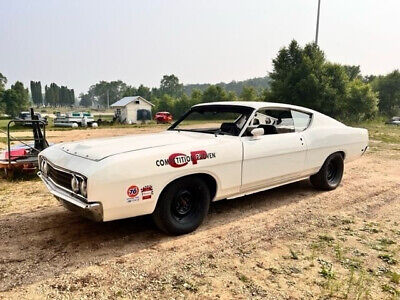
(291, 242)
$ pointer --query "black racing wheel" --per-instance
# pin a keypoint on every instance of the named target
(182, 206)
(331, 173)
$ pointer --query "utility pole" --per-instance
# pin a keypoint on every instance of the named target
(316, 34)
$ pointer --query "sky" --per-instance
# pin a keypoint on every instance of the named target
(78, 43)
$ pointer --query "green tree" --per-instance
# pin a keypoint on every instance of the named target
(165, 103)
(52, 95)
(231, 96)
(353, 72)
(3, 81)
(302, 76)
(181, 105)
(361, 102)
(103, 90)
(36, 92)
(144, 92)
(195, 96)
(170, 85)
(15, 99)
(130, 91)
(388, 87)
(85, 100)
(248, 93)
(214, 93)
(297, 76)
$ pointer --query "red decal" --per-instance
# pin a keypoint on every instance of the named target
(147, 191)
(132, 191)
(198, 155)
(181, 160)
(147, 188)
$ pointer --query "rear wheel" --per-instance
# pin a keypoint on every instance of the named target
(331, 173)
(183, 206)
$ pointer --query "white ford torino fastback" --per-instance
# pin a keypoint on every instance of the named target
(214, 151)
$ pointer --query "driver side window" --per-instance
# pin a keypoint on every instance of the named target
(278, 121)
(273, 121)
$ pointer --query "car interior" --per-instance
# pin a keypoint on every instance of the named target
(273, 121)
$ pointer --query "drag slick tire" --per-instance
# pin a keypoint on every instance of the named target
(330, 175)
(182, 206)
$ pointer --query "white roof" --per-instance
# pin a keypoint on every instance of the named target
(257, 105)
(126, 100)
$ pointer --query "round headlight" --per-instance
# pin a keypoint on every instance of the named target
(75, 184)
(84, 188)
(45, 167)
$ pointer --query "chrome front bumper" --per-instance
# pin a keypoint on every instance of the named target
(93, 211)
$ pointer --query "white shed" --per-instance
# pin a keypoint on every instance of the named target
(132, 109)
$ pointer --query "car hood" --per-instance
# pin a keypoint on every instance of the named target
(98, 149)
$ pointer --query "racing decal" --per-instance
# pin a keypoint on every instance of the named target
(178, 160)
(133, 193)
(147, 192)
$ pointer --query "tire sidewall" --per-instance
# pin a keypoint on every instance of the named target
(337, 160)
(163, 216)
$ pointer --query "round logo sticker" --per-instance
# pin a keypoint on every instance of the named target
(132, 191)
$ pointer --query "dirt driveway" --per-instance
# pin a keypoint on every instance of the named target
(290, 242)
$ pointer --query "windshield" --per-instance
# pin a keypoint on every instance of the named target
(214, 119)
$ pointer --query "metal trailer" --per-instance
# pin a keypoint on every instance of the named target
(25, 156)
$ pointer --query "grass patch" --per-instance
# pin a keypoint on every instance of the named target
(326, 238)
(293, 254)
(388, 258)
(380, 131)
(326, 270)
(390, 289)
(395, 277)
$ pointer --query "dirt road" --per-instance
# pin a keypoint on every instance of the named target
(290, 242)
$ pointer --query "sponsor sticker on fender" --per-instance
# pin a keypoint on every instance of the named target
(178, 160)
(133, 193)
(147, 192)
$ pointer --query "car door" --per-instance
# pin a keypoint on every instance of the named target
(275, 157)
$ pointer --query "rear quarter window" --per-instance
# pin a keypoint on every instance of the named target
(301, 120)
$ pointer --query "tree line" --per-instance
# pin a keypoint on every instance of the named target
(55, 95)
(300, 75)
(17, 97)
(13, 100)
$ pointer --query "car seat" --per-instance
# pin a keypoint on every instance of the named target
(268, 129)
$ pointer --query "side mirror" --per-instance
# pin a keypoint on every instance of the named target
(257, 132)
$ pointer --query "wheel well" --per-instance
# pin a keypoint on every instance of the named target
(342, 154)
(208, 179)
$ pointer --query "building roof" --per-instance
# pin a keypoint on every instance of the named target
(126, 100)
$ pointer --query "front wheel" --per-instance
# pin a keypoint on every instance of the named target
(330, 175)
(183, 206)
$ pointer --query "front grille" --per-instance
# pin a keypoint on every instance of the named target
(60, 177)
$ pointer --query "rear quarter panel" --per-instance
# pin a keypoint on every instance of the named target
(326, 136)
